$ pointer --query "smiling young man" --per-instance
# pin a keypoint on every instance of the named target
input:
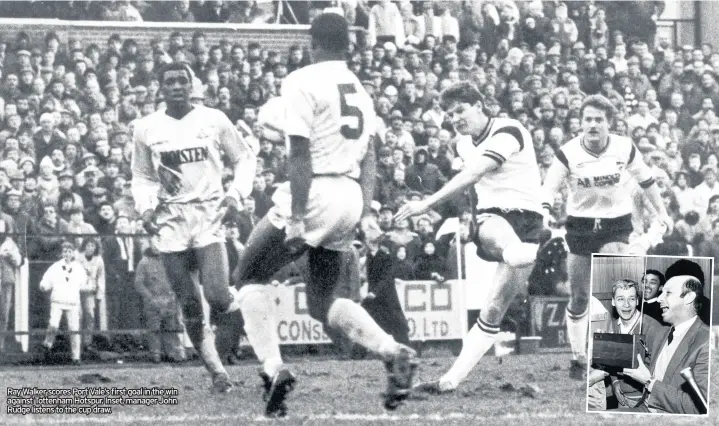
(625, 300)
(599, 169)
(653, 282)
(500, 162)
(177, 186)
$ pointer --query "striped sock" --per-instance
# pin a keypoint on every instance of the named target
(479, 340)
(577, 329)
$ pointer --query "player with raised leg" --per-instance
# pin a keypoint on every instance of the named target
(329, 122)
(177, 186)
(598, 167)
(499, 160)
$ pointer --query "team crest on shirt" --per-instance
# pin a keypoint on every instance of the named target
(621, 165)
(202, 134)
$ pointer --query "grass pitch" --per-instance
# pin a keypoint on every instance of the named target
(524, 390)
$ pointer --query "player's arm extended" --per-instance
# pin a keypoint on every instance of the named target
(242, 159)
(145, 183)
(471, 174)
(554, 180)
(368, 176)
(299, 171)
(643, 174)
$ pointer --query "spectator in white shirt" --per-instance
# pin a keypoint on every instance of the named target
(621, 66)
(64, 279)
(705, 190)
(385, 24)
(643, 118)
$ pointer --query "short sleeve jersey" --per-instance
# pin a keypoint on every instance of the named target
(327, 104)
(600, 184)
(516, 184)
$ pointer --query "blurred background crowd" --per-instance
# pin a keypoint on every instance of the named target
(67, 111)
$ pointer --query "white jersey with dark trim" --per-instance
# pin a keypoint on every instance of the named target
(600, 185)
(516, 184)
(180, 160)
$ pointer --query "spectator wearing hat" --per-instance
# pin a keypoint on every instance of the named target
(691, 92)
(385, 168)
(395, 190)
(47, 185)
(422, 175)
(48, 137)
(404, 138)
(638, 81)
(437, 155)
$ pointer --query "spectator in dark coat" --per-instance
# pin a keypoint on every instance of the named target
(429, 265)
(382, 302)
(423, 176)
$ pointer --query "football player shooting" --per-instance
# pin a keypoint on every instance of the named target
(329, 121)
(177, 186)
(500, 160)
(598, 168)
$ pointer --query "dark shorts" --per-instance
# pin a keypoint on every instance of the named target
(586, 235)
(528, 226)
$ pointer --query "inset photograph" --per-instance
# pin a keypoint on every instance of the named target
(649, 337)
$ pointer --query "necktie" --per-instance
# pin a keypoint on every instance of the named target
(671, 336)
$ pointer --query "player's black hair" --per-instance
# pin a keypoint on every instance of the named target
(330, 31)
(599, 102)
(175, 66)
(658, 274)
(462, 92)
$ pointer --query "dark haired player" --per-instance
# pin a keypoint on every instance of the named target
(329, 122)
(598, 168)
(177, 186)
(499, 161)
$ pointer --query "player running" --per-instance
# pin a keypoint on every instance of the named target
(598, 166)
(499, 160)
(329, 121)
(177, 186)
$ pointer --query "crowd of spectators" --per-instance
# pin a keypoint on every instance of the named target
(67, 112)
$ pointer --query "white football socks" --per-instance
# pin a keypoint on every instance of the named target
(520, 254)
(479, 340)
(577, 329)
(359, 327)
(260, 326)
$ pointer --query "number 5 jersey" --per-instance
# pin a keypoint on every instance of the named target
(327, 104)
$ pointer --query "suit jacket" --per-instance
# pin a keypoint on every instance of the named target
(673, 394)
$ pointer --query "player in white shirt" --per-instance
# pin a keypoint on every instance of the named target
(177, 186)
(329, 123)
(599, 167)
(499, 160)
